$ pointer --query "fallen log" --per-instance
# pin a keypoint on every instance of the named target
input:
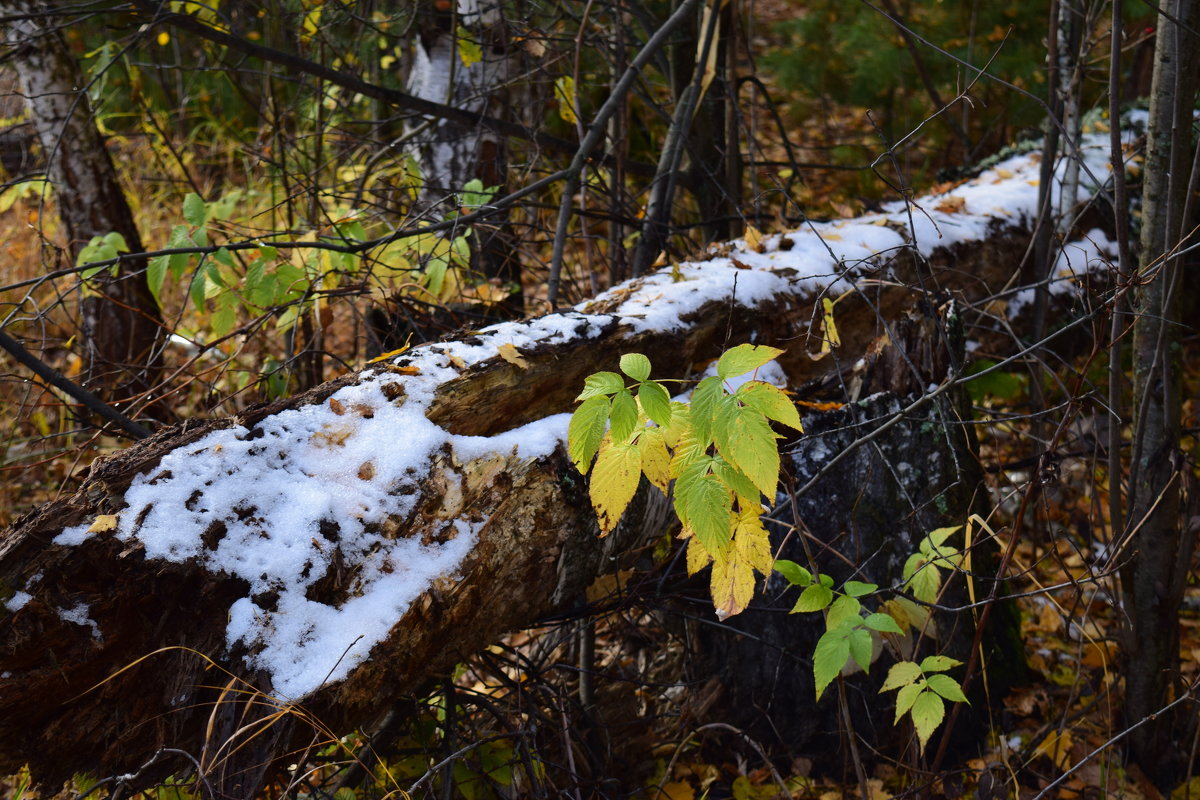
(219, 585)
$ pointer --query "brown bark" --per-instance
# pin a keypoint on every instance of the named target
(107, 699)
(120, 320)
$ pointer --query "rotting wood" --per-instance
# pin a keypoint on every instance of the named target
(153, 669)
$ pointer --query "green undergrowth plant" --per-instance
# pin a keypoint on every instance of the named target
(717, 456)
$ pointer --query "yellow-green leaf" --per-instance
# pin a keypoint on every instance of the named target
(927, 713)
(752, 542)
(743, 358)
(564, 92)
(468, 49)
(901, 674)
(745, 439)
(771, 401)
(614, 482)
(705, 505)
(585, 431)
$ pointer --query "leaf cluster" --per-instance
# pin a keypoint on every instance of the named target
(716, 454)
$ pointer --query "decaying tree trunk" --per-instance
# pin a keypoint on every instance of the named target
(160, 606)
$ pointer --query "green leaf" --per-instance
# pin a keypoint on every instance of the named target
(925, 582)
(601, 383)
(947, 687)
(882, 623)
(862, 647)
(829, 657)
(843, 612)
(907, 696)
(771, 401)
(858, 588)
(624, 416)
(636, 366)
(197, 288)
(225, 316)
(938, 663)
(814, 598)
(586, 430)
(705, 505)
(655, 402)
(703, 406)
(795, 574)
(743, 358)
(928, 710)
(901, 674)
(116, 241)
(745, 439)
(195, 211)
(736, 481)
(156, 273)
(614, 482)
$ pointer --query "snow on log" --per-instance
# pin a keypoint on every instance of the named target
(341, 547)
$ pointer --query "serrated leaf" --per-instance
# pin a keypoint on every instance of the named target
(732, 584)
(906, 697)
(938, 663)
(745, 439)
(614, 482)
(744, 358)
(586, 430)
(843, 612)
(795, 574)
(862, 647)
(925, 583)
(225, 315)
(656, 460)
(858, 588)
(814, 598)
(636, 366)
(742, 486)
(194, 210)
(829, 657)
(655, 402)
(901, 674)
(947, 687)
(624, 415)
(927, 713)
(601, 383)
(697, 557)
(156, 273)
(771, 401)
(707, 395)
(198, 285)
(882, 623)
(938, 536)
(751, 541)
(704, 504)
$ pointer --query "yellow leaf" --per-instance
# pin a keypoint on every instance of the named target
(752, 542)
(163, 39)
(697, 556)
(614, 482)
(677, 790)
(468, 49)
(510, 354)
(754, 239)
(656, 460)
(952, 205)
(732, 584)
(103, 523)
(1057, 747)
(564, 92)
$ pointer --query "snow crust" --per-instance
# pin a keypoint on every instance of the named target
(281, 504)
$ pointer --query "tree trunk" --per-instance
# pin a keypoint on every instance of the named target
(120, 321)
(1160, 544)
(338, 548)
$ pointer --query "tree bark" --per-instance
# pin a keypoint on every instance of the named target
(108, 649)
(1161, 542)
(120, 320)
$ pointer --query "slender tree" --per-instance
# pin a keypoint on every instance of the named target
(120, 320)
(1161, 546)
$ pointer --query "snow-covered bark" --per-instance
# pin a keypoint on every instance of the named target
(340, 547)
